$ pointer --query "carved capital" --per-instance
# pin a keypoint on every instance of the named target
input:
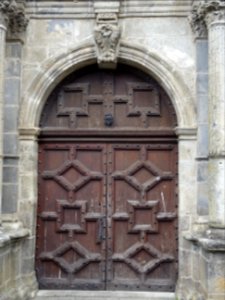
(197, 22)
(204, 14)
(7, 7)
(213, 11)
(107, 35)
(14, 14)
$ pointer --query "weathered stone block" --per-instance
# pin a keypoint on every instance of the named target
(28, 247)
(13, 67)
(1, 268)
(187, 151)
(203, 271)
(27, 265)
(185, 263)
(12, 90)
(213, 274)
(28, 219)
(16, 259)
(28, 186)
(202, 83)
(10, 174)
(202, 55)
(217, 192)
(7, 267)
(203, 140)
(11, 161)
(202, 171)
(10, 194)
(28, 157)
(184, 222)
(10, 118)
(14, 50)
(202, 108)
(203, 199)
(195, 259)
(35, 54)
(10, 144)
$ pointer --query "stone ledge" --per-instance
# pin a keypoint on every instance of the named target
(209, 244)
(186, 133)
(103, 295)
(8, 235)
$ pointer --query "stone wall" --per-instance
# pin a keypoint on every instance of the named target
(157, 39)
(17, 272)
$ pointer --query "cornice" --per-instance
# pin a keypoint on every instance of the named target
(130, 8)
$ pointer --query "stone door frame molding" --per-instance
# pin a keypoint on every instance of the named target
(54, 71)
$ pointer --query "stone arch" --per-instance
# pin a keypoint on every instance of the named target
(54, 70)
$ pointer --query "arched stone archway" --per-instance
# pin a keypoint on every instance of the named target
(54, 71)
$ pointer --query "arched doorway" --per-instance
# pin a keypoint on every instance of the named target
(107, 207)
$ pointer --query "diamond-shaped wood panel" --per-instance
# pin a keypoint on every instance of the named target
(69, 216)
(83, 257)
(144, 215)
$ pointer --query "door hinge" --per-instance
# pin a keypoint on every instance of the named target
(101, 233)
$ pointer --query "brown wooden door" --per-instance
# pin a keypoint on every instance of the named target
(141, 217)
(107, 198)
(107, 219)
(71, 251)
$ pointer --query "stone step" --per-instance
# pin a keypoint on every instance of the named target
(102, 295)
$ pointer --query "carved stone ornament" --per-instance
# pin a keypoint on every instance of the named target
(197, 22)
(213, 11)
(107, 34)
(204, 14)
(14, 14)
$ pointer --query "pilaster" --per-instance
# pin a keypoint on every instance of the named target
(214, 12)
(3, 28)
(210, 244)
(210, 15)
(199, 28)
(13, 23)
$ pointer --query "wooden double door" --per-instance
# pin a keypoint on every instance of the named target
(108, 216)
(107, 193)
